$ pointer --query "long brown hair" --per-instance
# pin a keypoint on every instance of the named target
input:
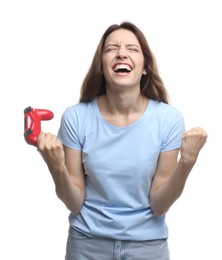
(151, 84)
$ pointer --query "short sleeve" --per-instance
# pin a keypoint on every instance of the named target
(69, 129)
(172, 129)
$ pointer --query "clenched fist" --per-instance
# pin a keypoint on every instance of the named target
(192, 142)
(51, 150)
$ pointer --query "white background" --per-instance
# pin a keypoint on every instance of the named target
(46, 48)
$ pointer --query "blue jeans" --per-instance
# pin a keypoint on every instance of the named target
(81, 247)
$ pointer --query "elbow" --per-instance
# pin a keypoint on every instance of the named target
(73, 210)
(159, 212)
(71, 206)
(157, 209)
(161, 207)
(74, 207)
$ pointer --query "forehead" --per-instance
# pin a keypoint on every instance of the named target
(122, 36)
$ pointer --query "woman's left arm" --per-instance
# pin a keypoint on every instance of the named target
(171, 174)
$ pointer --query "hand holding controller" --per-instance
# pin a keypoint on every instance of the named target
(32, 126)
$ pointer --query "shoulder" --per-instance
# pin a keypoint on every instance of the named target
(171, 125)
(73, 122)
(167, 117)
(78, 110)
(165, 111)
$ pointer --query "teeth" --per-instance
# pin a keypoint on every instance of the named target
(122, 66)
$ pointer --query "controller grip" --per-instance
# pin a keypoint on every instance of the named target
(32, 123)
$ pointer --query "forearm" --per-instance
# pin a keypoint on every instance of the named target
(66, 169)
(164, 196)
(167, 190)
(70, 194)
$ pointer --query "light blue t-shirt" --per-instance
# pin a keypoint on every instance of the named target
(119, 164)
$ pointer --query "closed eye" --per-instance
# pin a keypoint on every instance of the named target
(133, 49)
(111, 48)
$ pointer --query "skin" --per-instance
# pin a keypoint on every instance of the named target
(121, 106)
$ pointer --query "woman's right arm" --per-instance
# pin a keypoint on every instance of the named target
(65, 166)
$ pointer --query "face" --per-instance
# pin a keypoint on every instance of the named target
(123, 60)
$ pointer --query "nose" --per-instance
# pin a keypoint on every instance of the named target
(122, 52)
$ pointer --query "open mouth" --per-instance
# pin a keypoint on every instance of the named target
(122, 68)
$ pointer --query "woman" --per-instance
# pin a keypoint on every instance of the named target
(115, 159)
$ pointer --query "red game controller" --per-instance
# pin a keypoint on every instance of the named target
(32, 126)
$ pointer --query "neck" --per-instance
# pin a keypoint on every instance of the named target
(123, 104)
